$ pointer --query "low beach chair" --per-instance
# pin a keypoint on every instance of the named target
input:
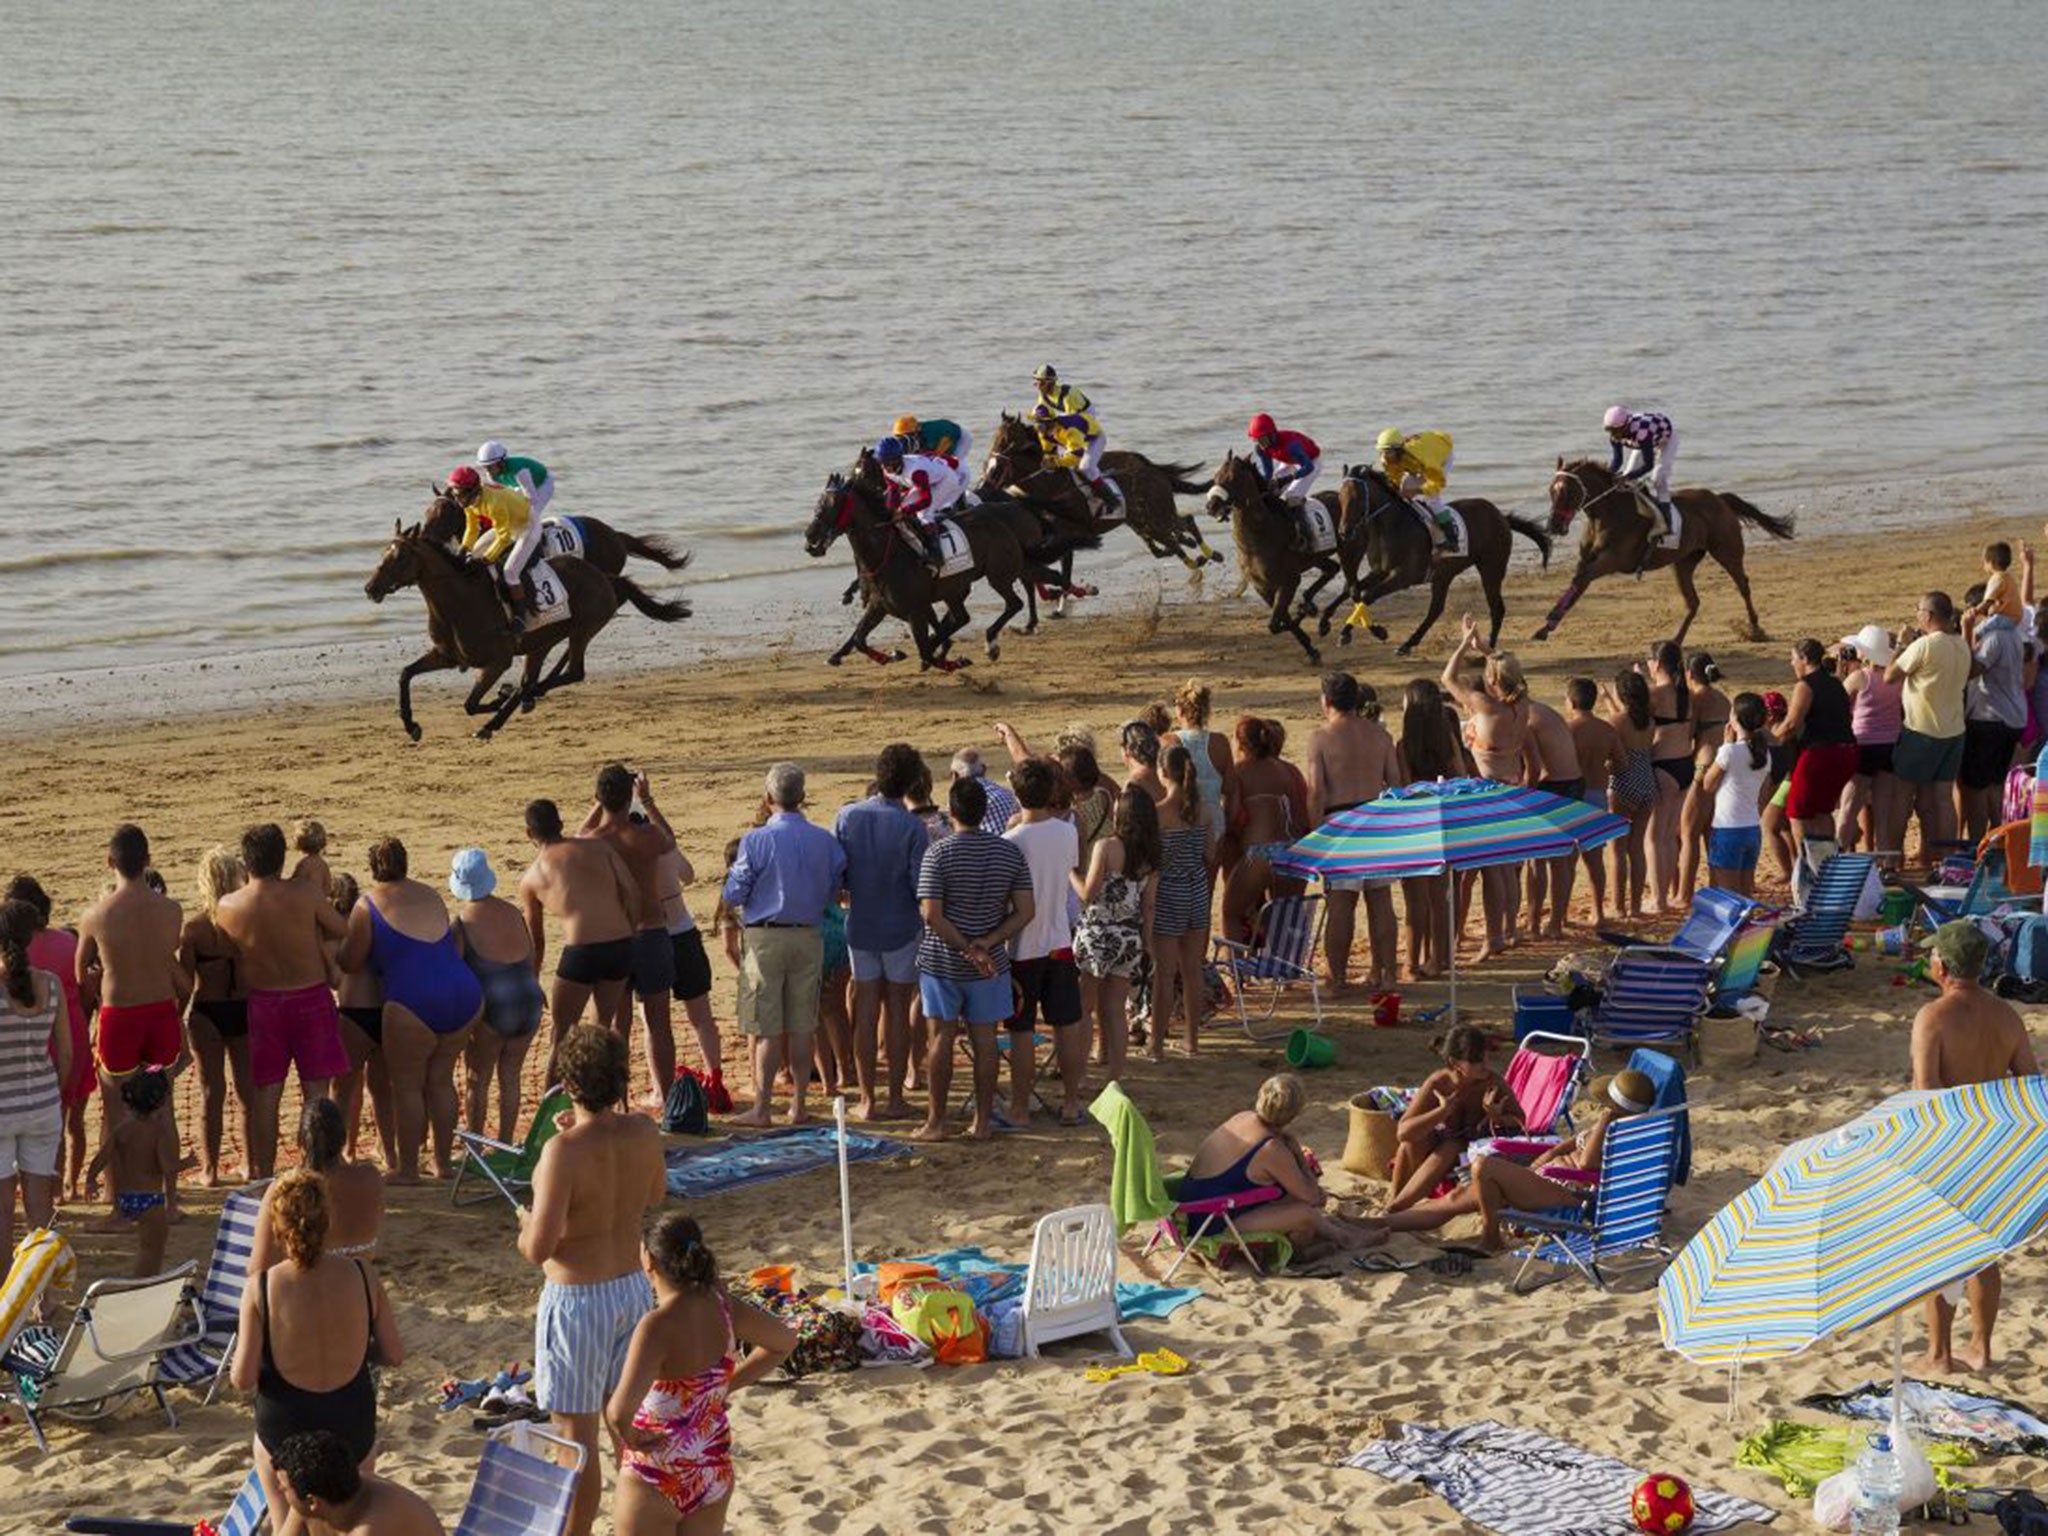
(1813, 940)
(1986, 892)
(1070, 1288)
(243, 1518)
(1712, 923)
(506, 1168)
(1653, 996)
(520, 1489)
(1543, 1083)
(1280, 954)
(204, 1363)
(110, 1353)
(1627, 1213)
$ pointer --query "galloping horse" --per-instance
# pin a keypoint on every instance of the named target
(466, 623)
(1617, 533)
(1016, 461)
(1402, 556)
(1269, 556)
(604, 546)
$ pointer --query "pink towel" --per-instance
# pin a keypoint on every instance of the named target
(1539, 1083)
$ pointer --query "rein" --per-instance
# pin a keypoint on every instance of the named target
(1587, 500)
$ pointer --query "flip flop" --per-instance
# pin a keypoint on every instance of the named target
(1380, 1262)
(1153, 1362)
(1450, 1266)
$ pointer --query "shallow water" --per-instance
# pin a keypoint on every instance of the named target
(265, 273)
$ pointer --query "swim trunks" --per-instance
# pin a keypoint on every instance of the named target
(136, 1206)
(654, 962)
(145, 1035)
(297, 1028)
(580, 1334)
(1570, 789)
(588, 964)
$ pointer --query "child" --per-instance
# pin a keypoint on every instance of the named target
(310, 839)
(1736, 781)
(725, 922)
(2001, 590)
(1462, 1100)
(142, 1151)
(668, 1413)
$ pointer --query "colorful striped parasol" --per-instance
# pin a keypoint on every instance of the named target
(1445, 827)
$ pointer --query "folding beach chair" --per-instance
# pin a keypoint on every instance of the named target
(508, 1169)
(1813, 941)
(204, 1364)
(1986, 892)
(1627, 1212)
(243, 1518)
(1710, 927)
(1070, 1288)
(1653, 995)
(1280, 954)
(110, 1352)
(520, 1490)
(1543, 1083)
(1742, 963)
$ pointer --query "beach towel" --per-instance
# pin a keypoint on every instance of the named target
(969, 1268)
(1136, 1193)
(1520, 1483)
(1802, 1456)
(1668, 1078)
(694, 1172)
(41, 1260)
(1996, 1426)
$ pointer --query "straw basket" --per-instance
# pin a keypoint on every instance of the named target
(1728, 1039)
(1369, 1149)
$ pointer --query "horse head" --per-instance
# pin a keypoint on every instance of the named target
(1236, 484)
(1573, 487)
(399, 565)
(443, 518)
(831, 517)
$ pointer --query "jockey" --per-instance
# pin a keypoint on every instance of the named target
(922, 486)
(513, 528)
(946, 438)
(1418, 463)
(1640, 434)
(1287, 461)
(1071, 436)
(529, 476)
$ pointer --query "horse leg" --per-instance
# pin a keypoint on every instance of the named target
(1574, 590)
(516, 697)
(433, 661)
(1283, 621)
(1490, 577)
(869, 618)
(1306, 603)
(1730, 560)
(1682, 571)
(1012, 606)
(852, 591)
(1439, 594)
(474, 704)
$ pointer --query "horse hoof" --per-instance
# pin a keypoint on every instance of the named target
(994, 652)
(1405, 650)
(526, 705)
(833, 661)
(1315, 657)
(1057, 613)
(1377, 631)
(1541, 634)
(1344, 638)
(892, 656)
(412, 729)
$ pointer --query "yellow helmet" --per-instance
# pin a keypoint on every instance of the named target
(1391, 439)
(906, 426)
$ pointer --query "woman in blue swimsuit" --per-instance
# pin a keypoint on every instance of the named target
(1270, 1179)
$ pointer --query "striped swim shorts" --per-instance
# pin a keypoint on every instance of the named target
(580, 1334)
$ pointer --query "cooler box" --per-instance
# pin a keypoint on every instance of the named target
(1538, 1009)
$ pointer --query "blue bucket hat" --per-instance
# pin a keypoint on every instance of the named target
(470, 875)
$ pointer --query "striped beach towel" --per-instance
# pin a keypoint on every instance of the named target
(42, 1260)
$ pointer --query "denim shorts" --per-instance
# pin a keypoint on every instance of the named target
(897, 965)
(1734, 847)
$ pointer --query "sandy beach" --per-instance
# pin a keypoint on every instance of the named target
(1289, 1374)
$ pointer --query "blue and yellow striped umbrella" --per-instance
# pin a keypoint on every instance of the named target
(1452, 824)
(1849, 1227)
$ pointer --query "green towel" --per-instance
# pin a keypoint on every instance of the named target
(1136, 1193)
(1800, 1456)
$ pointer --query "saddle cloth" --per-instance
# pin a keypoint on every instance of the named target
(550, 595)
(1321, 524)
(1647, 508)
(958, 554)
(561, 536)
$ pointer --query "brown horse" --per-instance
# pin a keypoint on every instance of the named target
(604, 546)
(1270, 557)
(1016, 462)
(1618, 533)
(466, 623)
(1401, 554)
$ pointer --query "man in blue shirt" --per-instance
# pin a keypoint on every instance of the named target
(1002, 805)
(884, 846)
(787, 873)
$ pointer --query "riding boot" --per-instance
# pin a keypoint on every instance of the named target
(1449, 529)
(934, 549)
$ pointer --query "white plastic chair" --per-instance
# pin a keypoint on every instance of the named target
(1071, 1286)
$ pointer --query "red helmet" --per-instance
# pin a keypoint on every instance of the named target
(1262, 427)
(463, 477)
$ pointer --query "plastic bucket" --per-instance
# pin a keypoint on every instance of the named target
(775, 1277)
(1307, 1050)
(1386, 1009)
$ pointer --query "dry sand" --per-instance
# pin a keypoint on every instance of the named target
(1289, 1373)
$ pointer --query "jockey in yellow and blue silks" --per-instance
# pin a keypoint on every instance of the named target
(1418, 464)
(1071, 436)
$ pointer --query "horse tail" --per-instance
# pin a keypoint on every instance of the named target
(653, 607)
(1776, 527)
(1184, 478)
(1531, 530)
(660, 551)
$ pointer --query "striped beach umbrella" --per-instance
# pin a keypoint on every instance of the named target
(1851, 1226)
(1445, 827)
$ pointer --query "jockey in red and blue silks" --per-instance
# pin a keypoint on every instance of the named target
(1287, 461)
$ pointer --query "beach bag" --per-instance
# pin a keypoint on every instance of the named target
(826, 1339)
(687, 1110)
(2023, 962)
(895, 1275)
(2021, 1514)
(2017, 802)
(945, 1320)
(884, 1341)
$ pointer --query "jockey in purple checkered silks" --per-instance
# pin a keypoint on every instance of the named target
(1650, 443)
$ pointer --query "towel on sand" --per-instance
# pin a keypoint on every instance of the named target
(1134, 1298)
(1997, 1426)
(696, 1171)
(1803, 1456)
(1520, 1483)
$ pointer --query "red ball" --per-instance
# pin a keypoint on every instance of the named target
(1662, 1505)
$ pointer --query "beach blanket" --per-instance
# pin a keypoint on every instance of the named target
(1802, 1456)
(1520, 1483)
(972, 1271)
(694, 1172)
(1996, 1426)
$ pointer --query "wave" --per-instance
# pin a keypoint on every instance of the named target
(344, 444)
(56, 559)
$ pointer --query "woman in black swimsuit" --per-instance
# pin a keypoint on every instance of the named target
(1671, 750)
(218, 1021)
(1710, 712)
(312, 1326)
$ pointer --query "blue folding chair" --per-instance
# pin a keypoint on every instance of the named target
(1653, 996)
(1281, 953)
(204, 1364)
(1813, 941)
(1710, 927)
(1986, 892)
(519, 1489)
(1627, 1213)
(244, 1515)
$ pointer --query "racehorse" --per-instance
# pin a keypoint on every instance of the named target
(1270, 557)
(896, 578)
(1016, 462)
(604, 546)
(1617, 532)
(466, 623)
(1401, 555)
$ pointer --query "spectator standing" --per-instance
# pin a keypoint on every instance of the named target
(1817, 717)
(1994, 715)
(1874, 715)
(1047, 981)
(1002, 805)
(884, 844)
(1933, 670)
(35, 1059)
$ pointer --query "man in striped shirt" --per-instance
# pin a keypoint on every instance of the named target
(976, 892)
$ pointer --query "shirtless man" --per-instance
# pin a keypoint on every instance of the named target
(1600, 758)
(1351, 761)
(278, 926)
(583, 884)
(1498, 710)
(1966, 1035)
(130, 939)
(325, 1489)
(640, 845)
(595, 1182)
(1550, 757)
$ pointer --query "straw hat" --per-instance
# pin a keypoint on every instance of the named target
(1872, 643)
(1628, 1091)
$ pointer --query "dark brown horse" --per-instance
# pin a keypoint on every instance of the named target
(466, 625)
(1271, 558)
(897, 581)
(1618, 530)
(604, 546)
(1401, 554)
(1016, 460)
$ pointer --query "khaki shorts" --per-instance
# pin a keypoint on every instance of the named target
(782, 976)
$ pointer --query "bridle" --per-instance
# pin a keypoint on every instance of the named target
(1587, 499)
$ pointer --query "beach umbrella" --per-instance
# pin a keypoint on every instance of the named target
(1447, 827)
(1858, 1223)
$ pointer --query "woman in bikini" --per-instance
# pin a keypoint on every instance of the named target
(1710, 710)
(360, 995)
(1274, 798)
(1632, 790)
(1671, 755)
(218, 1021)
(1461, 1101)
(1253, 1158)
(355, 1192)
(668, 1413)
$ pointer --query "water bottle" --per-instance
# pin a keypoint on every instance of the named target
(1879, 1479)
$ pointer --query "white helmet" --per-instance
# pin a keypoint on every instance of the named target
(491, 453)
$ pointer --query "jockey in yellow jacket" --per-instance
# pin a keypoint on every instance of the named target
(1071, 436)
(514, 530)
(1418, 464)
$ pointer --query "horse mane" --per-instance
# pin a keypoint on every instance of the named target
(1582, 466)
